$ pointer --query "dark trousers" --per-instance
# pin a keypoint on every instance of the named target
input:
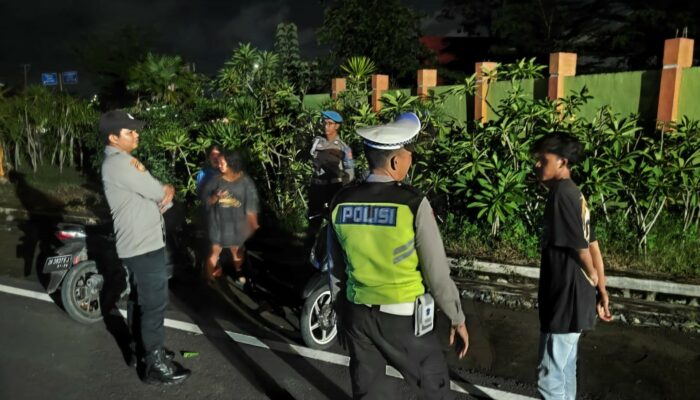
(375, 338)
(148, 298)
(320, 197)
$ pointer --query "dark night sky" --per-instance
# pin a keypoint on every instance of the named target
(42, 32)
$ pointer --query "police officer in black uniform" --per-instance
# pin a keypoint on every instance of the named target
(390, 265)
(137, 201)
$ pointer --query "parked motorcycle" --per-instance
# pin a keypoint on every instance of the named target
(85, 258)
(77, 276)
(318, 320)
(276, 269)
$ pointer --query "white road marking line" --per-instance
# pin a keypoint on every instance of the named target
(180, 325)
(26, 293)
(320, 355)
(247, 339)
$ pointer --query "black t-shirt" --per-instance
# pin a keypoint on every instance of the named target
(566, 297)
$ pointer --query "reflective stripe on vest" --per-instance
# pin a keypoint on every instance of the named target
(379, 243)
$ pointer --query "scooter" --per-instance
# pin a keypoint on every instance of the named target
(275, 268)
(86, 258)
(318, 320)
(77, 276)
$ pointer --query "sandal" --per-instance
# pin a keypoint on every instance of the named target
(239, 279)
(214, 273)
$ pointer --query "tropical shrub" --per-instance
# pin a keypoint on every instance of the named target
(41, 126)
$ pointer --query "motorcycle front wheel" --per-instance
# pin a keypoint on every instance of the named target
(318, 320)
(80, 293)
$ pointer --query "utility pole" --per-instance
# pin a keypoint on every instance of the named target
(26, 68)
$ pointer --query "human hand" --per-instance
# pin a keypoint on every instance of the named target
(222, 193)
(603, 307)
(165, 207)
(169, 193)
(461, 330)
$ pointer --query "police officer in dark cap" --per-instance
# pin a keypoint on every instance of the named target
(391, 269)
(137, 202)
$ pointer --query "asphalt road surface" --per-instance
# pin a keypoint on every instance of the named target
(250, 348)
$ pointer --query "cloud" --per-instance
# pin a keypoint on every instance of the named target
(255, 24)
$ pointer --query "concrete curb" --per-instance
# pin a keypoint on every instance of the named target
(617, 282)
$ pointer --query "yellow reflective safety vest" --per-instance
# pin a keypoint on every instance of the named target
(375, 226)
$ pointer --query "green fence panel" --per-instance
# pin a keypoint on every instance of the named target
(395, 91)
(315, 101)
(626, 93)
(531, 89)
(455, 106)
(689, 100)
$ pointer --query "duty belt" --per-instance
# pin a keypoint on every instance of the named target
(319, 181)
(404, 309)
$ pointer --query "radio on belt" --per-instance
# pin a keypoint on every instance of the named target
(424, 314)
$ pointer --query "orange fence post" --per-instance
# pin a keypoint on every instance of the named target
(380, 84)
(427, 79)
(561, 65)
(338, 85)
(678, 54)
(482, 89)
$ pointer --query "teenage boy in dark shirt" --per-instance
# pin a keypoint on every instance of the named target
(571, 270)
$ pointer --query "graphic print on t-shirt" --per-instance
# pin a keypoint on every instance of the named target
(586, 219)
(229, 201)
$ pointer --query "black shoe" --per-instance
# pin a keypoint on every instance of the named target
(161, 371)
(134, 359)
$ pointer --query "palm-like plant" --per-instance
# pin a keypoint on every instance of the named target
(359, 70)
(163, 79)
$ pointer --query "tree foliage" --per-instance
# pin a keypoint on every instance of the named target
(108, 57)
(618, 33)
(295, 70)
(385, 31)
(163, 79)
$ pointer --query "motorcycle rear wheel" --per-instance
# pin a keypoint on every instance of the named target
(80, 293)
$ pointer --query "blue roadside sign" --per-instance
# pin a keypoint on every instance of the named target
(49, 79)
(70, 77)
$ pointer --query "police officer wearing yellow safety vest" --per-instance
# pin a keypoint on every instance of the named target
(390, 266)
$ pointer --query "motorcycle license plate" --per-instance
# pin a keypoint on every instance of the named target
(58, 263)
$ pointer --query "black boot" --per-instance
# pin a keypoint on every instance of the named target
(134, 358)
(160, 370)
